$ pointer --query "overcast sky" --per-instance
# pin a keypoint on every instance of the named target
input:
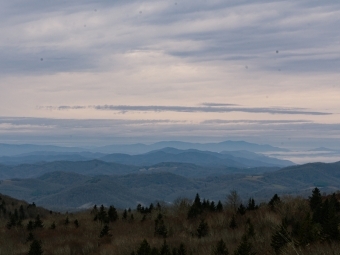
(99, 72)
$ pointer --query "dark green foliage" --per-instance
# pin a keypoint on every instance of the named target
(203, 229)
(315, 200)
(221, 248)
(232, 223)
(154, 251)
(104, 231)
(241, 209)
(66, 221)
(304, 231)
(35, 248)
(38, 223)
(274, 201)
(76, 223)
(102, 215)
(30, 237)
(53, 226)
(165, 249)
(179, 251)
(160, 228)
(12, 222)
(144, 248)
(145, 210)
(329, 221)
(212, 206)
(124, 215)
(112, 214)
(30, 226)
(219, 206)
(250, 230)
(280, 238)
(196, 208)
(244, 248)
(22, 214)
(251, 204)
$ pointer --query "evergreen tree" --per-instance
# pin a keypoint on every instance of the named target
(181, 250)
(38, 223)
(30, 226)
(165, 249)
(102, 215)
(315, 200)
(251, 204)
(274, 201)
(250, 229)
(245, 247)
(219, 206)
(22, 215)
(144, 248)
(221, 248)
(241, 209)
(53, 225)
(76, 223)
(160, 228)
(30, 237)
(104, 231)
(66, 221)
(232, 223)
(202, 229)
(112, 214)
(124, 215)
(35, 248)
(280, 238)
(196, 208)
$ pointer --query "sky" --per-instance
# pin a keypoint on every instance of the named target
(103, 72)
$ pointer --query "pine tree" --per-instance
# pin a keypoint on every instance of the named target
(112, 214)
(251, 204)
(160, 228)
(245, 247)
(30, 237)
(53, 225)
(232, 223)
(181, 249)
(274, 201)
(280, 238)
(30, 226)
(241, 209)
(219, 206)
(76, 223)
(35, 248)
(165, 249)
(144, 248)
(104, 231)
(202, 229)
(315, 200)
(221, 248)
(38, 223)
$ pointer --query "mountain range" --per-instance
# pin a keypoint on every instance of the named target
(60, 190)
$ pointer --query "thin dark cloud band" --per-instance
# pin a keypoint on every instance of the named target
(190, 109)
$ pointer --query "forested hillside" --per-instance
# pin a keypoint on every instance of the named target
(283, 225)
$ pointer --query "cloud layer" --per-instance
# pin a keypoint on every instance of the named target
(265, 70)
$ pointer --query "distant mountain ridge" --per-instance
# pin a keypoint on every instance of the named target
(240, 159)
(68, 190)
(17, 149)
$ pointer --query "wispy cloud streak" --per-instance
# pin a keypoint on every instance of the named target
(190, 109)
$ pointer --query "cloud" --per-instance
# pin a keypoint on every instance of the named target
(87, 35)
(263, 122)
(213, 108)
